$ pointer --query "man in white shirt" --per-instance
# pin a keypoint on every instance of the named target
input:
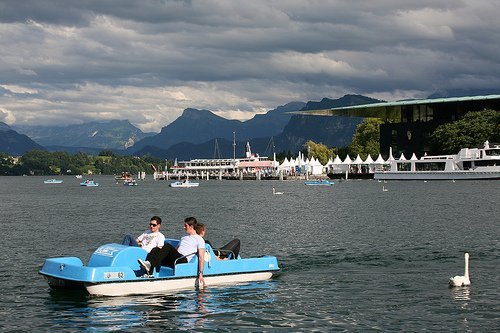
(150, 238)
(189, 245)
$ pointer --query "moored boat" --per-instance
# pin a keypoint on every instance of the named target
(113, 270)
(184, 183)
(469, 163)
(53, 181)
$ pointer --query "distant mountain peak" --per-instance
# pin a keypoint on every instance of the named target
(4, 126)
(195, 114)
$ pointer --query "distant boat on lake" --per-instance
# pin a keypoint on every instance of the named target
(184, 183)
(53, 181)
(320, 182)
(89, 182)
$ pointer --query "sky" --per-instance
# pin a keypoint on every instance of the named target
(69, 62)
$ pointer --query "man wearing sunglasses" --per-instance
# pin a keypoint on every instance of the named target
(150, 238)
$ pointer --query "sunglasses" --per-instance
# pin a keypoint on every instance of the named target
(153, 225)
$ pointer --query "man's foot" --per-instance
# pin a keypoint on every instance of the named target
(145, 264)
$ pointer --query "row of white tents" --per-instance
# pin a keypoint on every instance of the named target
(312, 166)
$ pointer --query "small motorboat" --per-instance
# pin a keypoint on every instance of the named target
(184, 183)
(89, 182)
(323, 182)
(114, 270)
(130, 182)
(53, 181)
(78, 176)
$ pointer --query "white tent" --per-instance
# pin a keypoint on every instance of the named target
(369, 162)
(346, 164)
(402, 157)
(413, 157)
(379, 163)
(379, 160)
(357, 160)
(285, 166)
(336, 165)
(347, 160)
(315, 167)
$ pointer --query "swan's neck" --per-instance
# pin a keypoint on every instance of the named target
(466, 272)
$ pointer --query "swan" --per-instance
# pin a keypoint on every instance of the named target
(274, 192)
(460, 281)
(384, 189)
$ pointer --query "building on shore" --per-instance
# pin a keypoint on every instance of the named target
(410, 123)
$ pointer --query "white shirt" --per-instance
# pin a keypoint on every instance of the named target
(151, 240)
(189, 245)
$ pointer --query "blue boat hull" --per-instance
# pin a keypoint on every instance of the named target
(113, 270)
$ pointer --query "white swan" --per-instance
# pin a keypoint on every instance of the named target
(274, 192)
(460, 281)
(384, 189)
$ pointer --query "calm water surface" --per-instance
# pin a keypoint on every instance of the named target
(353, 258)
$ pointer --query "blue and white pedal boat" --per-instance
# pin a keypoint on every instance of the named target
(113, 270)
(323, 182)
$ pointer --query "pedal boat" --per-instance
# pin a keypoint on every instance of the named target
(323, 182)
(89, 183)
(113, 270)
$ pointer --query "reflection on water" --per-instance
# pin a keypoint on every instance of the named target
(191, 310)
(461, 294)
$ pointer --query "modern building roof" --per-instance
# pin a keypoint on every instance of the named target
(380, 109)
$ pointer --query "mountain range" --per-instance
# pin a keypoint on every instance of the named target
(13, 143)
(287, 133)
(193, 134)
(113, 134)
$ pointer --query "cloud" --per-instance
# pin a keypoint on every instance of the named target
(146, 61)
(6, 116)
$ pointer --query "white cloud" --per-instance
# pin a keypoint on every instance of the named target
(7, 116)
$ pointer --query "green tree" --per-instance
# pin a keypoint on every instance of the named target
(366, 139)
(318, 150)
(472, 130)
(37, 162)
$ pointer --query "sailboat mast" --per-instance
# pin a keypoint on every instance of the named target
(234, 145)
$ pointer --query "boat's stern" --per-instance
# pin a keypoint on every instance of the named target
(109, 263)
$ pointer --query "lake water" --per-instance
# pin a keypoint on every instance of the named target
(353, 258)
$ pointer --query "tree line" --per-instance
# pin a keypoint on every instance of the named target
(40, 162)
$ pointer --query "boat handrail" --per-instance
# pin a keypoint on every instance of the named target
(184, 256)
(218, 251)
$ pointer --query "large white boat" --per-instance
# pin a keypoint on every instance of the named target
(469, 163)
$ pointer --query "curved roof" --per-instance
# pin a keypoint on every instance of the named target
(389, 110)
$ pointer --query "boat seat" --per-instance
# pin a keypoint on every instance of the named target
(165, 271)
(171, 241)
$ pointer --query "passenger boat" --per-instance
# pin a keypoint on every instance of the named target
(184, 183)
(469, 163)
(113, 270)
(320, 182)
(53, 181)
(89, 182)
